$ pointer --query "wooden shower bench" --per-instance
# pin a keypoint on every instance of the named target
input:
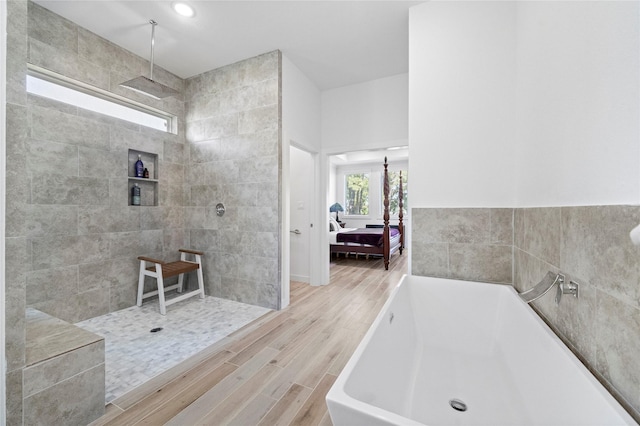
(161, 270)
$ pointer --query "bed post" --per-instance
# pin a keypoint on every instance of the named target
(385, 232)
(400, 215)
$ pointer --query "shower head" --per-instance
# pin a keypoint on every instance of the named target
(146, 85)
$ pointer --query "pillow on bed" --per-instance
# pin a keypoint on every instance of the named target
(333, 225)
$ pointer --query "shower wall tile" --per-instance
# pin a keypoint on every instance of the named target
(94, 219)
(61, 33)
(59, 250)
(51, 157)
(51, 125)
(479, 262)
(17, 195)
(14, 398)
(452, 225)
(43, 375)
(259, 144)
(107, 55)
(239, 171)
(258, 119)
(195, 218)
(66, 190)
(54, 283)
(261, 244)
(175, 239)
(542, 233)
(51, 219)
(259, 169)
(152, 217)
(123, 139)
(60, 404)
(173, 151)
(79, 307)
(597, 247)
(617, 345)
(16, 61)
(67, 63)
(430, 259)
(118, 271)
(100, 163)
(242, 194)
(16, 266)
(471, 244)
(501, 226)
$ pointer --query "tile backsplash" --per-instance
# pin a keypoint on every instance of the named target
(589, 244)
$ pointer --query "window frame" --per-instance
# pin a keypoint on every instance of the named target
(87, 89)
(375, 171)
(344, 195)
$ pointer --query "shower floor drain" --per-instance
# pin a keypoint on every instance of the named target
(458, 405)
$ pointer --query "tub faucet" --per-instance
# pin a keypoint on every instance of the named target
(546, 284)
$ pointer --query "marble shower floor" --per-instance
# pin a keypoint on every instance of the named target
(134, 355)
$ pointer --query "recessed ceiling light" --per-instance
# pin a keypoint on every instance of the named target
(183, 9)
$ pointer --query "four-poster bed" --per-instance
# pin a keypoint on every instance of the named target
(383, 241)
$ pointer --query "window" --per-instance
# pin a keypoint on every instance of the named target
(62, 89)
(356, 194)
(394, 189)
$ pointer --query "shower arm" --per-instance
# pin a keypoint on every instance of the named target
(153, 42)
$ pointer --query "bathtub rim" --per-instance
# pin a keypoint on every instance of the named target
(338, 395)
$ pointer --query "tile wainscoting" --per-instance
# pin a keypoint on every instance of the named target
(589, 244)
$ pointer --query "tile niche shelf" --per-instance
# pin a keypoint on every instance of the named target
(148, 186)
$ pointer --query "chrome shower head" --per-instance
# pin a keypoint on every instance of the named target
(148, 86)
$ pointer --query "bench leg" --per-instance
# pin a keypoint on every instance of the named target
(163, 308)
(200, 278)
(180, 282)
(141, 282)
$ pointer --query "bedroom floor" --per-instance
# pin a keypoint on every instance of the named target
(277, 369)
(134, 354)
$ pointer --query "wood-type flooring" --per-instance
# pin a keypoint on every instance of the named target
(276, 370)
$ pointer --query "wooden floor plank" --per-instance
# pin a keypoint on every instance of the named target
(255, 410)
(315, 407)
(240, 398)
(287, 407)
(277, 369)
(214, 396)
(209, 357)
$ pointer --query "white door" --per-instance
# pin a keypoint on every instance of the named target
(302, 175)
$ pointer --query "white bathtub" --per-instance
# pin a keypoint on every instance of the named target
(437, 340)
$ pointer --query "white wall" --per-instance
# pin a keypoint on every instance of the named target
(366, 116)
(577, 101)
(301, 128)
(516, 104)
(461, 104)
(300, 107)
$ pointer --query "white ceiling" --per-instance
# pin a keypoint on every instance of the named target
(335, 43)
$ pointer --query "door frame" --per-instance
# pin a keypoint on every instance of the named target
(315, 216)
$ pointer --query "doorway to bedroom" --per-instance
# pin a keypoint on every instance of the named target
(356, 200)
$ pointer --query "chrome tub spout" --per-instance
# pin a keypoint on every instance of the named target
(546, 284)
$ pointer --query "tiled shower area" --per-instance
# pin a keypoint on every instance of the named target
(141, 344)
(72, 236)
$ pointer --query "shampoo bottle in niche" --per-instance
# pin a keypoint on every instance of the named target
(135, 195)
(139, 167)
